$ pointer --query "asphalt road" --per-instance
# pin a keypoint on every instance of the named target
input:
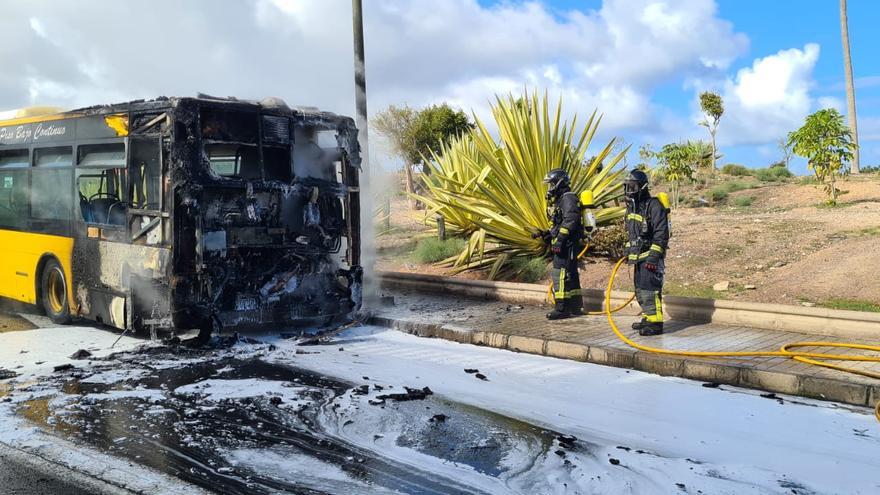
(29, 475)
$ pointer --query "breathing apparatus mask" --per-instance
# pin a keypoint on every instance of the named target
(557, 181)
(635, 185)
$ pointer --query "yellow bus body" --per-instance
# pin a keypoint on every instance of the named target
(20, 255)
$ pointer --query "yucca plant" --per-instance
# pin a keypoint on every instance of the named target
(453, 171)
(493, 190)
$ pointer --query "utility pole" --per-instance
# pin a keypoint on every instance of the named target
(360, 84)
(850, 87)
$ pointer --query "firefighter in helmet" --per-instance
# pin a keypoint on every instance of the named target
(564, 237)
(647, 227)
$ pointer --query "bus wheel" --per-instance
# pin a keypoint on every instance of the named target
(53, 293)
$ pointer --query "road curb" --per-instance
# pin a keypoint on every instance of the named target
(817, 321)
(821, 388)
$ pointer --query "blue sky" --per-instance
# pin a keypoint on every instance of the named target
(641, 63)
(819, 22)
(771, 26)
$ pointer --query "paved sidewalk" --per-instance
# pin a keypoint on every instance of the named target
(590, 339)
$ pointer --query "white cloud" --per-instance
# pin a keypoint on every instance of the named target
(767, 100)
(611, 58)
(417, 52)
(38, 27)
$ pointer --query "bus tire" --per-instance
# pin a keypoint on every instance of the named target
(53, 292)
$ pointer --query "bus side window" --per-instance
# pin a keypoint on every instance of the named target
(146, 190)
(145, 174)
(13, 187)
(51, 183)
(100, 183)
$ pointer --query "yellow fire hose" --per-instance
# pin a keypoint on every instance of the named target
(785, 351)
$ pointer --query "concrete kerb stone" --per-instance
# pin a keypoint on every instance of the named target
(530, 345)
(608, 356)
(772, 381)
(456, 333)
(658, 364)
(834, 390)
(566, 350)
(711, 372)
(490, 339)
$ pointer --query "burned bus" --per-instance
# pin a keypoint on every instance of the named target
(182, 213)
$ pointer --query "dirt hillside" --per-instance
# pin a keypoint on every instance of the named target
(785, 247)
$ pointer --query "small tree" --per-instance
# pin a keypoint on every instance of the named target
(827, 144)
(415, 134)
(432, 126)
(702, 159)
(676, 163)
(713, 108)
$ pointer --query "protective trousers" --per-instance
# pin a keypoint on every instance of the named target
(649, 288)
(566, 282)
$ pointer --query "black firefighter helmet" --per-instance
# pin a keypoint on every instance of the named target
(635, 183)
(557, 181)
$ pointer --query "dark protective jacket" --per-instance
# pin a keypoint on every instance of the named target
(567, 227)
(647, 226)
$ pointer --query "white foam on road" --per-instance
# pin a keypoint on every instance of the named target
(829, 448)
(33, 353)
(716, 440)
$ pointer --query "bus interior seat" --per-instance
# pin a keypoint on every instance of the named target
(106, 210)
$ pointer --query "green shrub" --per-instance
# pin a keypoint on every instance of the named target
(735, 170)
(738, 185)
(744, 201)
(718, 193)
(529, 270)
(433, 250)
(773, 174)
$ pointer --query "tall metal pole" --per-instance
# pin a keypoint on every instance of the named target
(367, 225)
(850, 87)
(360, 83)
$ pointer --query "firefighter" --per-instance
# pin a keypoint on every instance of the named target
(647, 227)
(564, 237)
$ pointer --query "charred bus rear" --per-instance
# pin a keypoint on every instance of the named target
(183, 213)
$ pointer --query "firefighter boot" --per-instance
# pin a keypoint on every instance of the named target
(560, 312)
(651, 329)
(640, 324)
